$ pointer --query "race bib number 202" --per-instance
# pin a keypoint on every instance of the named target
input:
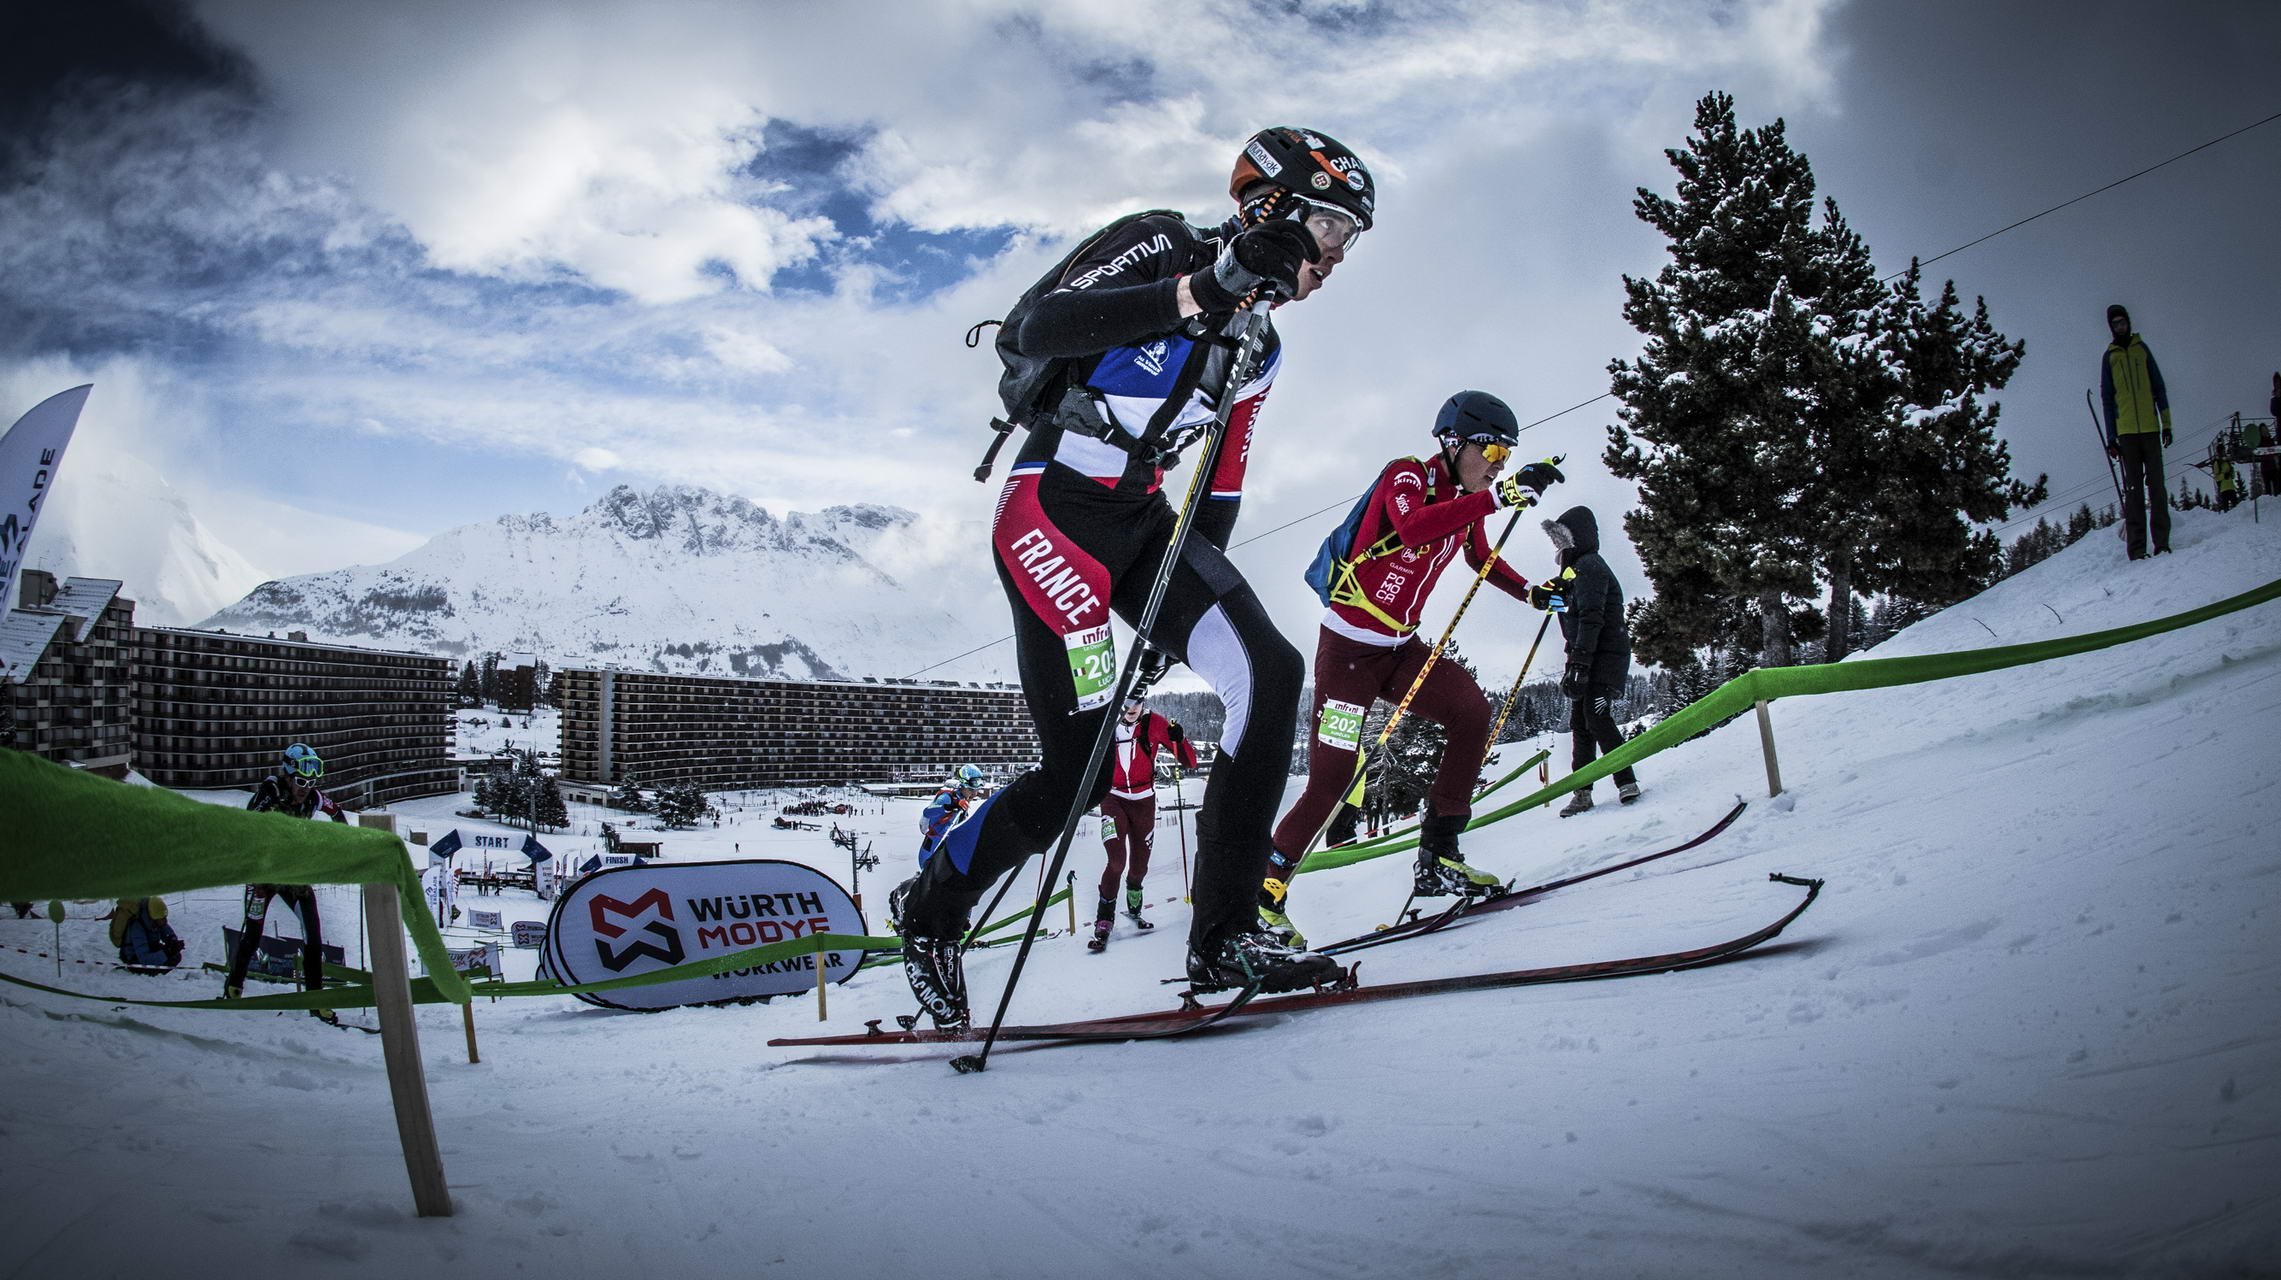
(1340, 725)
(1092, 665)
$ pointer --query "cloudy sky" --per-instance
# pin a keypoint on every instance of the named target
(350, 275)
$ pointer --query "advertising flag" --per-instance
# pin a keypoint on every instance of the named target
(29, 456)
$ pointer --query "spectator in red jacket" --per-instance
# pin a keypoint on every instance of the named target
(1128, 812)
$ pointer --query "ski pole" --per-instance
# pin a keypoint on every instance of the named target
(1354, 790)
(1180, 819)
(2099, 432)
(1515, 691)
(1245, 359)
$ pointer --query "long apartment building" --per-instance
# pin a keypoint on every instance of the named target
(724, 733)
(214, 709)
(66, 688)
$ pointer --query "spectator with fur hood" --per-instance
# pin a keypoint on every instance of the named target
(1599, 648)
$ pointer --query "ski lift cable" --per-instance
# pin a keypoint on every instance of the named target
(1921, 264)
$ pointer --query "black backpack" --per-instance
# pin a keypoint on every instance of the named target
(1031, 386)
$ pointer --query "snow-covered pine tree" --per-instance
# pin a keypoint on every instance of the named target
(1716, 411)
(1404, 772)
(487, 679)
(469, 692)
(680, 805)
(1939, 470)
(2036, 545)
(547, 808)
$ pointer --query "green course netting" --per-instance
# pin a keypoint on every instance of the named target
(1405, 837)
(1739, 694)
(69, 834)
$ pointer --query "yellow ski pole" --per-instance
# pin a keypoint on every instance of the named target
(1361, 759)
(1506, 707)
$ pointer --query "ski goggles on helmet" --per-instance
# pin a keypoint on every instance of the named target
(303, 762)
(1493, 450)
(1332, 227)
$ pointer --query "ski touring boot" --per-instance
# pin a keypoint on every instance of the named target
(1257, 958)
(937, 974)
(1275, 916)
(1578, 802)
(1104, 916)
(1441, 872)
(1133, 909)
(1627, 792)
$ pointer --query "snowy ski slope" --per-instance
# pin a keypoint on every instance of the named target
(2033, 1027)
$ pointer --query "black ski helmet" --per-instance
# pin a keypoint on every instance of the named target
(1476, 415)
(1308, 164)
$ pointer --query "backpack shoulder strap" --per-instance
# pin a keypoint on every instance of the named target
(1390, 542)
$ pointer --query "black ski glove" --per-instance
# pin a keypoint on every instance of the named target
(1154, 662)
(1576, 682)
(1173, 732)
(1548, 597)
(1540, 476)
(1268, 254)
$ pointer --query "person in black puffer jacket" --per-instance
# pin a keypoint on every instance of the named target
(1599, 648)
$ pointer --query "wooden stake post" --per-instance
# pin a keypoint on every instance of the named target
(400, 1046)
(1766, 742)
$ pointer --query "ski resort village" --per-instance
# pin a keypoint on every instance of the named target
(1330, 639)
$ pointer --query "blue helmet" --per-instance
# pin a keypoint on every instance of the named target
(968, 777)
(1477, 416)
(302, 761)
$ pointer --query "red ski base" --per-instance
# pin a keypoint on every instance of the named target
(1176, 1022)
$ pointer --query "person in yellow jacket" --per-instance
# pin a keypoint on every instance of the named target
(2222, 474)
(146, 942)
(2138, 430)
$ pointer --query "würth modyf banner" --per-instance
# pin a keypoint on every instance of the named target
(29, 455)
(621, 921)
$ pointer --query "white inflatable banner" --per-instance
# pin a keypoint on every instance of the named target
(29, 456)
(622, 921)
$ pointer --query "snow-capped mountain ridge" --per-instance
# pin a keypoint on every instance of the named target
(677, 578)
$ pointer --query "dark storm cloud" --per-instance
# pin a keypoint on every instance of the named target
(1961, 118)
(59, 58)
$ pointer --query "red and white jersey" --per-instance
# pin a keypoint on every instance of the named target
(1132, 759)
(1419, 503)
